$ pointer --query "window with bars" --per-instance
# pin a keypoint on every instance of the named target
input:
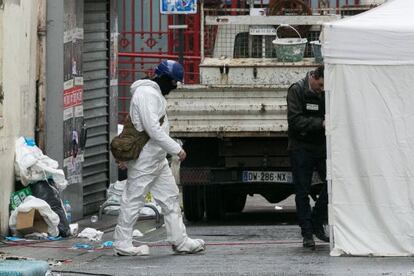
(252, 46)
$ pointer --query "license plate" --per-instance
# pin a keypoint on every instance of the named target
(267, 176)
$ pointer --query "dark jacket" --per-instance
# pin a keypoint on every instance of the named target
(306, 112)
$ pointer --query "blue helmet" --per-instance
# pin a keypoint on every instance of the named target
(171, 68)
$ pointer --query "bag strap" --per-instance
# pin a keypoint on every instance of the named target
(128, 120)
(162, 120)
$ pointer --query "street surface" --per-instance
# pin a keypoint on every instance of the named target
(260, 241)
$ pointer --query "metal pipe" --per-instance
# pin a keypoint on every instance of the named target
(155, 55)
(41, 75)
(202, 30)
(181, 21)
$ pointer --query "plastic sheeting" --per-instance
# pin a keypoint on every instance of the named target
(31, 165)
(370, 133)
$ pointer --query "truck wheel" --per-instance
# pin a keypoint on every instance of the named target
(214, 202)
(193, 201)
(235, 202)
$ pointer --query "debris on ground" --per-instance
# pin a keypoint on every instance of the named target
(79, 245)
(91, 233)
(136, 233)
(107, 244)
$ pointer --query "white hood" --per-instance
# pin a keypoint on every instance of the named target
(145, 82)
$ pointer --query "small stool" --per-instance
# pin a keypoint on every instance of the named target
(157, 214)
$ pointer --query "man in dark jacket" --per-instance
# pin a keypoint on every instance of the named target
(307, 147)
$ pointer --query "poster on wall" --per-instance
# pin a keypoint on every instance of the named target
(73, 122)
(73, 119)
(178, 6)
(114, 60)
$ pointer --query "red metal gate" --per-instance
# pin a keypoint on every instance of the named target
(145, 39)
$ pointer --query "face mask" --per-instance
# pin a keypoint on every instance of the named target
(165, 84)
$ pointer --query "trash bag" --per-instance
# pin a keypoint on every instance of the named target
(47, 191)
(31, 165)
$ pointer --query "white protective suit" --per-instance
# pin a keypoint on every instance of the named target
(150, 172)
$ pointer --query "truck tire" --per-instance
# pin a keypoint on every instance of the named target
(214, 203)
(193, 201)
(235, 202)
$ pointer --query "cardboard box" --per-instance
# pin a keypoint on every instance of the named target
(30, 222)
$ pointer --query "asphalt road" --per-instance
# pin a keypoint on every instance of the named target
(260, 241)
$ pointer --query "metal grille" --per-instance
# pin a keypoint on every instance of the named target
(193, 176)
(233, 40)
(96, 96)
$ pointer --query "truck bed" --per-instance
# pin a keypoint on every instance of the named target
(235, 111)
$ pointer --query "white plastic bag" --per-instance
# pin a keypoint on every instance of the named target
(31, 202)
(31, 165)
(91, 234)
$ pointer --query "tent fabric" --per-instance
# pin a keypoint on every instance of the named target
(370, 135)
(383, 35)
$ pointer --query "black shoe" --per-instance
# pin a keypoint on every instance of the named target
(309, 243)
(320, 234)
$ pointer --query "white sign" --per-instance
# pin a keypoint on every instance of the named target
(262, 30)
(178, 6)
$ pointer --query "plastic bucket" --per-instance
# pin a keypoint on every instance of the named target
(317, 52)
(289, 49)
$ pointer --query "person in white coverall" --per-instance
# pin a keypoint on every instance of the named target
(150, 172)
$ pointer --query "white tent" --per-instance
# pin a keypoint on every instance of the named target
(369, 80)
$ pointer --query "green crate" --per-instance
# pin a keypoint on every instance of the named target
(18, 197)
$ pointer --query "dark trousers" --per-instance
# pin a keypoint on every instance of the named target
(304, 162)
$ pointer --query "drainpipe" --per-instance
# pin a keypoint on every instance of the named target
(202, 30)
(41, 75)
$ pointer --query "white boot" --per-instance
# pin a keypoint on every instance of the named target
(142, 250)
(189, 246)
